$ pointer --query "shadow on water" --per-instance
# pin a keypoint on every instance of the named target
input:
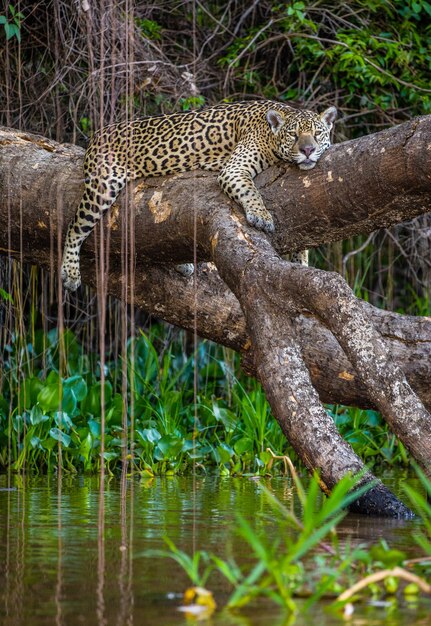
(70, 549)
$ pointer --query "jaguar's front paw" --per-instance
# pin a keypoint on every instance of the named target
(71, 277)
(262, 220)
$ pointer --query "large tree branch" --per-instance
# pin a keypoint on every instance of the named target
(41, 183)
(332, 201)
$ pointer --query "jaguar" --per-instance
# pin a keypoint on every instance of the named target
(238, 140)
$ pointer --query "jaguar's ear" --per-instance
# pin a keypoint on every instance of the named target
(328, 116)
(275, 121)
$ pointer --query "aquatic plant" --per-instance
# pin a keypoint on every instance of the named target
(303, 561)
(51, 410)
(276, 568)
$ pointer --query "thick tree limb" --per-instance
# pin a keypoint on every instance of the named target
(388, 183)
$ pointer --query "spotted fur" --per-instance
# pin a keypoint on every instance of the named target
(239, 140)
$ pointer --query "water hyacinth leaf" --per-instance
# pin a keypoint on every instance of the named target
(196, 450)
(389, 557)
(110, 456)
(168, 447)
(63, 420)
(29, 391)
(49, 443)
(37, 416)
(18, 422)
(149, 435)
(60, 436)
(265, 457)
(78, 385)
(223, 453)
(245, 444)
(93, 402)
(50, 396)
(226, 417)
(117, 442)
(115, 413)
(190, 444)
(53, 378)
(86, 446)
(69, 402)
(94, 427)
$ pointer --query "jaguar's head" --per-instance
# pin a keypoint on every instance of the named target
(303, 137)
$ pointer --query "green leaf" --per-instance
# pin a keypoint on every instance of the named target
(115, 414)
(226, 417)
(60, 436)
(245, 444)
(149, 435)
(29, 392)
(78, 385)
(35, 442)
(86, 447)
(50, 396)
(94, 427)
(110, 456)
(37, 416)
(53, 377)
(4, 294)
(93, 402)
(69, 402)
(223, 453)
(12, 30)
(389, 557)
(63, 420)
(169, 446)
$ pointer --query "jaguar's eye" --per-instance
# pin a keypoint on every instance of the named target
(295, 136)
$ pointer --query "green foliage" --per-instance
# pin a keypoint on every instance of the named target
(276, 567)
(376, 57)
(5, 295)
(421, 504)
(192, 102)
(190, 564)
(12, 23)
(56, 397)
(53, 395)
(295, 559)
(85, 123)
(369, 436)
(149, 28)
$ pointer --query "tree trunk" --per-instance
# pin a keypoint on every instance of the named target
(300, 330)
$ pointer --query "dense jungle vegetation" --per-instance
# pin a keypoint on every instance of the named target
(171, 402)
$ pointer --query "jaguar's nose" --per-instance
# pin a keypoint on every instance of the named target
(307, 150)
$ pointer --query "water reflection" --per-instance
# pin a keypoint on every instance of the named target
(69, 549)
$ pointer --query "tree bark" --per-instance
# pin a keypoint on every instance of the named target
(298, 329)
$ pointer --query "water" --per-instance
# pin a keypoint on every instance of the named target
(65, 560)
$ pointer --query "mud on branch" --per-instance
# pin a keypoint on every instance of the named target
(301, 331)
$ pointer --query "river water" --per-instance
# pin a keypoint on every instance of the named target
(67, 560)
